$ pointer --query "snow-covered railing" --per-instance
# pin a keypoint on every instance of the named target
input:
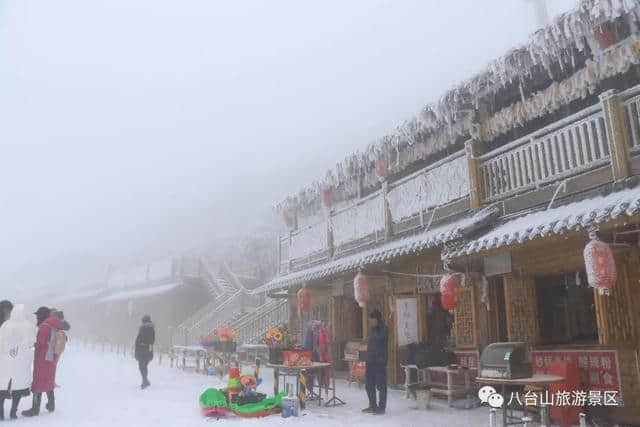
(436, 185)
(631, 102)
(568, 147)
(363, 219)
(283, 254)
(309, 240)
(272, 313)
(210, 317)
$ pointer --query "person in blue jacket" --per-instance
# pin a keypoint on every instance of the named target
(376, 371)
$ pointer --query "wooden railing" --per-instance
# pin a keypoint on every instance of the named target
(631, 102)
(565, 148)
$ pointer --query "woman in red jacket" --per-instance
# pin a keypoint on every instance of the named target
(45, 362)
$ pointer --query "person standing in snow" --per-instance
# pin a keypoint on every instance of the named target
(45, 362)
(16, 356)
(5, 310)
(144, 348)
(376, 370)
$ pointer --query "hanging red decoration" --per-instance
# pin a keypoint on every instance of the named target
(304, 300)
(361, 289)
(600, 265)
(449, 288)
(604, 36)
(382, 167)
(327, 198)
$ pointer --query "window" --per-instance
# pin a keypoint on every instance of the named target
(566, 310)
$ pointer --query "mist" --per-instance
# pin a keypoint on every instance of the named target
(132, 130)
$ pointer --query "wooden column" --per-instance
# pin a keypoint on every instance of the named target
(388, 221)
(330, 245)
(617, 133)
(476, 184)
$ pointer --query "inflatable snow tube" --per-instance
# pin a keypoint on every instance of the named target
(214, 412)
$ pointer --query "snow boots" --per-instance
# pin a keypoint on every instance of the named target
(14, 408)
(145, 384)
(51, 401)
(369, 410)
(35, 407)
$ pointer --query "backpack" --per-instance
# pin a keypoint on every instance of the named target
(60, 344)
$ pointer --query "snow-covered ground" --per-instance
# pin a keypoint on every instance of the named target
(102, 389)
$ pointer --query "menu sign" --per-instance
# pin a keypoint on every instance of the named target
(599, 369)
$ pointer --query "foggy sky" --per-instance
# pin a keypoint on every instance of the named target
(138, 128)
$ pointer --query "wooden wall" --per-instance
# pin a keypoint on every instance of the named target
(521, 308)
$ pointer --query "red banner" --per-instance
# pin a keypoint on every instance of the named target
(599, 369)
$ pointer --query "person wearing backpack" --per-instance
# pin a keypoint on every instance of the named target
(45, 360)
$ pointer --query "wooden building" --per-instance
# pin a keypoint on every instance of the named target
(502, 181)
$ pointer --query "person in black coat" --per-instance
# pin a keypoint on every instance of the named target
(376, 371)
(144, 348)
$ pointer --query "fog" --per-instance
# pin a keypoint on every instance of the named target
(137, 129)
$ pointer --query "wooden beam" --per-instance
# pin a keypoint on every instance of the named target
(617, 134)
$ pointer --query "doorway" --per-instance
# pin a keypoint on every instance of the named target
(497, 311)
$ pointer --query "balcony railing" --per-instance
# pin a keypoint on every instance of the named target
(631, 102)
(438, 184)
(566, 148)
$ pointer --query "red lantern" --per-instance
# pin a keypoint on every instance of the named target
(604, 36)
(304, 300)
(449, 287)
(361, 289)
(382, 167)
(600, 266)
(327, 198)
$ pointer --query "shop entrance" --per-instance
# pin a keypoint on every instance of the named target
(438, 322)
(566, 309)
(497, 313)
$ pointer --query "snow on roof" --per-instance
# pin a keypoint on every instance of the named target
(571, 217)
(440, 124)
(140, 293)
(408, 245)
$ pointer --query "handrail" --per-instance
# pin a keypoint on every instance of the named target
(426, 169)
(574, 118)
(223, 305)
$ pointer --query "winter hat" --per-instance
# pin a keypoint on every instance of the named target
(5, 304)
(146, 319)
(59, 314)
(43, 312)
(375, 314)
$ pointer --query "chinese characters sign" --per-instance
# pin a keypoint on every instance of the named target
(599, 369)
(407, 320)
(468, 359)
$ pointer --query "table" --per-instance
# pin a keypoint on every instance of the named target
(540, 380)
(452, 389)
(295, 371)
(424, 377)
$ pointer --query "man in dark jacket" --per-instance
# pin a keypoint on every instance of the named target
(144, 348)
(376, 373)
